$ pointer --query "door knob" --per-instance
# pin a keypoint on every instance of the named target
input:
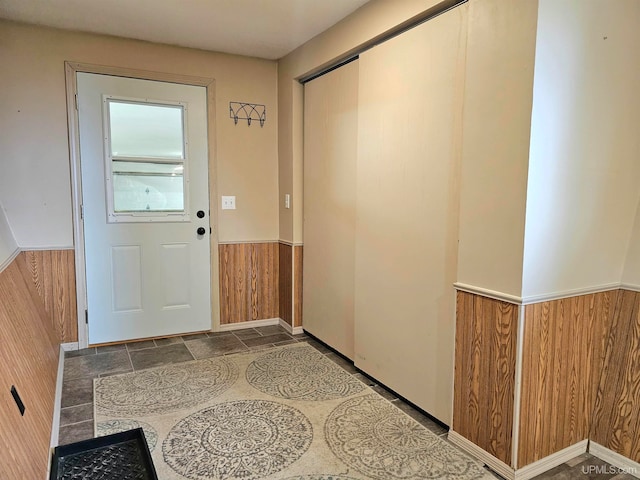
(201, 231)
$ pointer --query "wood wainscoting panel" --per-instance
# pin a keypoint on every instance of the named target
(54, 276)
(484, 379)
(297, 287)
(616, 412)
(563, 348)
(248, 282)
(29, 361)
(286, 282)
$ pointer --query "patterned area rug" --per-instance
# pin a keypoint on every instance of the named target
(286, 413)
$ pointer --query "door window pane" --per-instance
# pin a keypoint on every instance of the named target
(146, 130)
(148, 187)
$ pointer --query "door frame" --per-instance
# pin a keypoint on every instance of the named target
(71, 68)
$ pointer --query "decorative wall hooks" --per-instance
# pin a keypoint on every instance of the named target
(248, 112)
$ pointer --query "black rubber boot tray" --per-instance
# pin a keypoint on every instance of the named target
(120, 456)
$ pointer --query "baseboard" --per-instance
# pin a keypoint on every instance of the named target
(551, 461)
(622, 463)
(630, 286)
(475, 451)
(9, 259)
(57, 402)
(250, 324)
(286, 326)
(67, 347)
(525, 473)
(290, 329)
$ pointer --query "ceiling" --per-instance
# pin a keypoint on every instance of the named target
(258, 28)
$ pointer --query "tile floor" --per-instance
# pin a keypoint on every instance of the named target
(82, 366)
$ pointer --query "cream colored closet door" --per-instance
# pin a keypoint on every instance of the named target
(330, 151)
(409, 116)
(144, 160)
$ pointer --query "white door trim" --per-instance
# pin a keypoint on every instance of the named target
(71, 68)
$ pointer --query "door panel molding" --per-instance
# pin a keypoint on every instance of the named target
(71, 69)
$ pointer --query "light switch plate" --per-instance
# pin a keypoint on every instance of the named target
(228, 202)
(287, 200)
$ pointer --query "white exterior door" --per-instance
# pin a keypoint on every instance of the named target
(144, 162)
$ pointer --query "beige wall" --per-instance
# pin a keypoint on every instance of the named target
(330, 154)
(584, 168)
(631, 273)
(35, 183)
(359, 28)
(495, 146)
(409, 128)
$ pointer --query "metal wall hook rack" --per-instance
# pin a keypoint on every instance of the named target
(248, 112)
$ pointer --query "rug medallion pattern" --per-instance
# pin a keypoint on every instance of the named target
(320, 477)
(246, 439)
(164, 389)
(300, 374)
(376, 438)
(287, 413)
(122, 425)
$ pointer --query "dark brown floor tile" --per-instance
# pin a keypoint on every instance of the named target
(364, 379)
(383, 392)
(569, 474)
(246, 333)
(120, 372)
(342, 362)
(219, 334)
(194, 336)
(79, 353)
(140, 345)
(561, 471)
(256, 348)
(271, 330)
(584, 467)
(286, 342)
(76, 391)
(210, 347)
(595, 469)
(317, 345)
(419, 417)
(75, 433)
(558, 469)
(112, 348)
(269, 339)
(155, 357)
(626, 476)
(94, 365)
(163, 342)
(579, 459)
(77, 414)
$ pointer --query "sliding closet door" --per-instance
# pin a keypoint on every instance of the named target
(330, 149)
(409, 116)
